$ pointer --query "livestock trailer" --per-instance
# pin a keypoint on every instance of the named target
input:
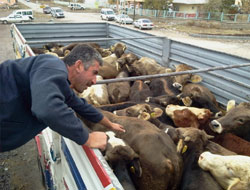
(67, 165)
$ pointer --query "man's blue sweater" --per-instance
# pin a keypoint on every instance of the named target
(34, 94)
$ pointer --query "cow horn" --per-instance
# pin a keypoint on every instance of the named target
(187, 139)
(187, 101)
(180, 145)
(210, 137)
(179, 96)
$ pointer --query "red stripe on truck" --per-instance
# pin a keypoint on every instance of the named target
(101, 173)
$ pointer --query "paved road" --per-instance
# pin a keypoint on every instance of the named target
(239, 48)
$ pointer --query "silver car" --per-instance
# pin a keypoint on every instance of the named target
(124, 19)
(14, 19)
(143, 23)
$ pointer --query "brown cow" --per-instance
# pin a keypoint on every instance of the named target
(110, 67)
(118, 49)
(180, 80)
(163, 100)
(119, 91)
(233, 143)
(191, 144)
(183, 116)
(127, 59)
(160, 163)
(147, 66)
(200, 97)
(236, 121)
(139, 91)
(172, 85)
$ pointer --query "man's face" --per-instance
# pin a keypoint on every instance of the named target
(81, 78)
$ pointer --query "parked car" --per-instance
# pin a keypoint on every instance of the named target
(47, 10)
(107, 14)
(124, 19)
(14, 19)
(76, 6)
(57, 12)
(143, 24)
(28, 13)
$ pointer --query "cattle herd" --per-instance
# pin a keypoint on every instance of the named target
(177, 136)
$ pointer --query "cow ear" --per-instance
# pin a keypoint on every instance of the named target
(195, 79)
(230, 105)
(187, 101)
(157, 113)
(144, 115)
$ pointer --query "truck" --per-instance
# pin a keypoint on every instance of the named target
(66, 165)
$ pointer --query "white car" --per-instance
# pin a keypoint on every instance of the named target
(143, 23)
(76, 6)
(107, 14)
(14, 19)
(57, 12)
(124, 19)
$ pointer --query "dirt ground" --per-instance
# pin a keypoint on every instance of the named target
(18, 168)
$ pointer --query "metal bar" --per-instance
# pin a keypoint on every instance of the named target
(144, 77)
(92, 40)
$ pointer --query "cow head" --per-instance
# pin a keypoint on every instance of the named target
(191, 137)
(180, 80)
(236, 121)
(199, 96)
(118, 49)
(141, 111)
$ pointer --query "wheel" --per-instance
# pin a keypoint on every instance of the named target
(5, 22)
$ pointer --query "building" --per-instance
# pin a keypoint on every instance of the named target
(7, 2)
(188, 6)
(130, 3)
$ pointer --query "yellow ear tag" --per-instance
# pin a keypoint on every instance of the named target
(184, 149)
(152, 114)
(132, 169)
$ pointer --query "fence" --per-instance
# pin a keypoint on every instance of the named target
(216, 16)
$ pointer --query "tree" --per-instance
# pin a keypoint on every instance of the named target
(111, 2)
(227, 6)
(157, 4)
(213, 6)
(245, 6)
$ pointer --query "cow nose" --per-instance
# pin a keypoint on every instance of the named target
(215, 124)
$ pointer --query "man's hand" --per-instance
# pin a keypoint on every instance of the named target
(114, 126)
(117, 127)
(97, 140)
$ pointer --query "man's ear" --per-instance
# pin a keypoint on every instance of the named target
(79, 66)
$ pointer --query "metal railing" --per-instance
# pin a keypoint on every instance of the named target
(217, 16)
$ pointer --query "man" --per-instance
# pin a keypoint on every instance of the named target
(36, 92)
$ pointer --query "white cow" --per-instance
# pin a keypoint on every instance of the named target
(231, 172)
(96, 94)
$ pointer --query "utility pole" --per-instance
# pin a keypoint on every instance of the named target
(134, 11)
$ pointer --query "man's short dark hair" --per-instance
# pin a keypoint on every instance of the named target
(85, 53)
